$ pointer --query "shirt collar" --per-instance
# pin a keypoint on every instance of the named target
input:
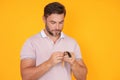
(43, 34)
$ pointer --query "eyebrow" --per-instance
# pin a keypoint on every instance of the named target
(55, 21)
(62, 21)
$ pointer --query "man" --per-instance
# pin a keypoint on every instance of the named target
(52, 55)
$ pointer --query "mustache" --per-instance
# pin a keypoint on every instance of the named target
(56, 30)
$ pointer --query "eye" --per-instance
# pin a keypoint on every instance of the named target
(61, 22)
(52, 22)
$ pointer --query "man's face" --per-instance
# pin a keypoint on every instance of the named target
(54, 24)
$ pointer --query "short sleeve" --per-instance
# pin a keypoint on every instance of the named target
(28, 50)
(77, 51)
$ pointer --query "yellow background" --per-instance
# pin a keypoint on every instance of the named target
(95, 24)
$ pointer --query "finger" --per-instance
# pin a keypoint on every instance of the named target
(58, 61)
(67, 59)
(60, 55)
(66, 56)
(59, 58)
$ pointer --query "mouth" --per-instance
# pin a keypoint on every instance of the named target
(56, 31)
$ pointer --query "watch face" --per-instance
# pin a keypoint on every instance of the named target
(68, 53)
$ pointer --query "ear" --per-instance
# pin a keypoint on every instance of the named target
(44, 19)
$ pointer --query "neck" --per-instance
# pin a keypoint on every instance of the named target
(53, 38)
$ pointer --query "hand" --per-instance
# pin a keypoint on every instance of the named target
(56, 58)
(68, 59)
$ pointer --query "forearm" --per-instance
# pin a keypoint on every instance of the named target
(33, 73)
(79, 71)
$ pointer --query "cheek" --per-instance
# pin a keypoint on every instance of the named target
(50, 25)
(61, 26)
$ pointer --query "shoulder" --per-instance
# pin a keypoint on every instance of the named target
(33, 38)
(70, 39)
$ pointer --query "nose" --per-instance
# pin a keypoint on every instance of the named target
(57, 26)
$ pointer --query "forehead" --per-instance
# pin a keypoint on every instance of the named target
(55, 17)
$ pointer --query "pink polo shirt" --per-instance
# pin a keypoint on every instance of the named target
(40, 47)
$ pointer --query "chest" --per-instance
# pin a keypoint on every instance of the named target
(44, 49)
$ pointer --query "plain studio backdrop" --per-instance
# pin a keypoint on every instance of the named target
(95, 24)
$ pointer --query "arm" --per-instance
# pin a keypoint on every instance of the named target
(79, 70)
(78, 67)
(30, 71)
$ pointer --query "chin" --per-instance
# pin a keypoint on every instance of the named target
(56, 35)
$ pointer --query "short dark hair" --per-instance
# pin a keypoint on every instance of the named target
(54, 8)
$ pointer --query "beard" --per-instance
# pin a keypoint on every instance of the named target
(54, 33)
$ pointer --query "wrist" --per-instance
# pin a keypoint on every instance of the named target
(49, 63)
(73, 63)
